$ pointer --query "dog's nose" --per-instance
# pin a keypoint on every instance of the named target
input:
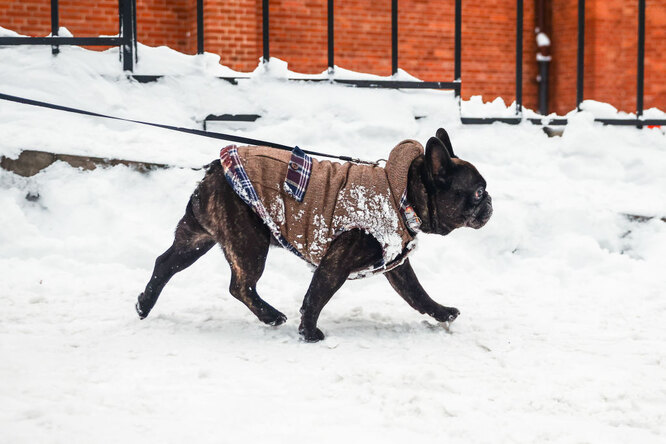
(487, 212)
(482, 213)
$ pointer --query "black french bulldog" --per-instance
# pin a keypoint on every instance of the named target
(445, 192)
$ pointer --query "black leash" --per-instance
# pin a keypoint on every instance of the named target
(211, 135)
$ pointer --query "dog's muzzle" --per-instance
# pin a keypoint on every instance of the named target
(481, 214)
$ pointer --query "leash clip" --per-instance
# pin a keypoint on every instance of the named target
(356, 160)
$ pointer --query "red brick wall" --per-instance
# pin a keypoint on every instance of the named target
(655, 55)
(26, 17)
(613, 45)
(562, 85)
(489, 50)
(102, 19)
(233, 30)
(298, 34)
(166, 22)
(611, 42)
(160, 22)
(426, 38)
(363, 35)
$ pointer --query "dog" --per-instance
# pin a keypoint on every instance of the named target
(441, 193)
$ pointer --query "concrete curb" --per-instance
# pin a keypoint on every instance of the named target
(31, 162)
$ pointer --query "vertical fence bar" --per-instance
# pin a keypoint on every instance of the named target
(126, 22)
(55, 25)
(200, 27)
(519, 56)
(458, 40)
(135, 37)
(264, 9)
(331, 37)
(121, 21)
(581, 53)
(394, 36)
(641, 59)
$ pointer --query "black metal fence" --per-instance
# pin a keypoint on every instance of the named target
(639, 121)
(127, 41)
(447, 85)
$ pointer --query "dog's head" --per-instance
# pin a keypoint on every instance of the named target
(447, 192)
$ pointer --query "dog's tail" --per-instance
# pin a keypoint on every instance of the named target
(212, 166)
(195, 206)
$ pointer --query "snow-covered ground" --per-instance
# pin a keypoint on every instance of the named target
(562, 336)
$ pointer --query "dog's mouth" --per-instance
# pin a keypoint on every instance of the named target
(481, 214)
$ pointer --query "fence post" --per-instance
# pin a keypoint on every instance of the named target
(641, 59)
(458, 41)
(127, 21)
(581, 53)
(200, 27)
(265, 18)
(55, 25)
(331, 37)
(519, 57)
(394, 36)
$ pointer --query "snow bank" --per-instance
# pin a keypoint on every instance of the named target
(562, 298)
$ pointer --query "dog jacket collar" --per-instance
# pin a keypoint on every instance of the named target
(306, 203)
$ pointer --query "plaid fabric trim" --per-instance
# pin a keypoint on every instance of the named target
(298, 174)
(237, 177)
(412, 221)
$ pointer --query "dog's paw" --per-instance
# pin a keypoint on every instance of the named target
(446, 314)
(315, 335)
(272, 317)
(278, 319)
(142, 312)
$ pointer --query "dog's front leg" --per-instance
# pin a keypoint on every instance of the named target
(404, 281)
(351, 251)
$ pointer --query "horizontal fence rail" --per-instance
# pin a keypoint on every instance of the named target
(559, 121)
(79, 41)
(360, 83)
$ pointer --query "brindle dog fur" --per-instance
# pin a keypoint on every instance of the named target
(445, 191)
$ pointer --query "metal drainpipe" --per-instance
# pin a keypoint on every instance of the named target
(542, 15)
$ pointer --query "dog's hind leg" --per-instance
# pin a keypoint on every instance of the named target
(243, 236)
(191, 242)
(246, 253)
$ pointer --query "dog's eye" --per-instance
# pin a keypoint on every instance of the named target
(478, 195)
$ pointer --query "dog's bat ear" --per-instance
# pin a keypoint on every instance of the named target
(438, 160)
(444, 137)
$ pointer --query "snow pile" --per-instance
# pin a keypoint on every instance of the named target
(561, 336)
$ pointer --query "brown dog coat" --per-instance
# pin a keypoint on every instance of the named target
(339, 197)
